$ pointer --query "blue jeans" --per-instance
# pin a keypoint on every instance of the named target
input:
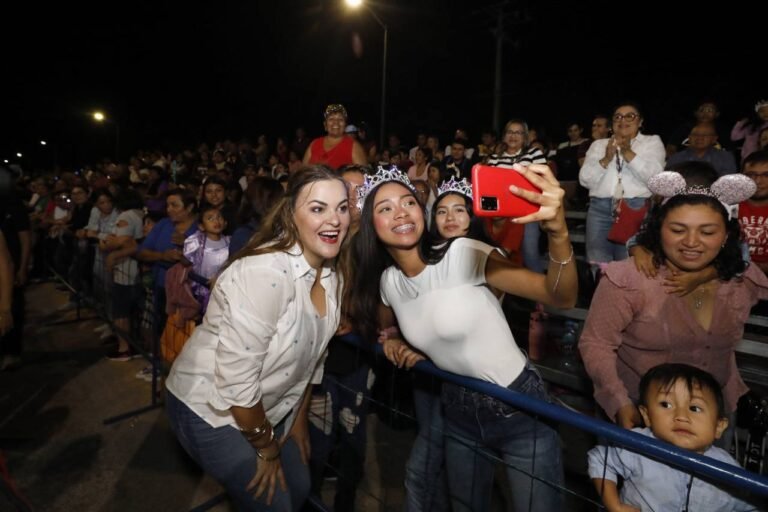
(477, 424)
(338, 411)
(425, 480)
(224, 454)
(599, 222)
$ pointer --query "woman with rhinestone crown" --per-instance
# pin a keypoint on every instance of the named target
(436, 293)
(636, 322)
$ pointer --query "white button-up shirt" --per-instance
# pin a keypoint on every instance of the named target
(261, 340)
(601, 182)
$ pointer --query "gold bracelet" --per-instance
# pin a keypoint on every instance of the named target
(268, 459)
(253, 440)
(256, 432)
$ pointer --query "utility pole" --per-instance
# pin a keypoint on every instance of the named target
(499, 34)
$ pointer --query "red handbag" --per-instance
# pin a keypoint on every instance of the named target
(627, 223)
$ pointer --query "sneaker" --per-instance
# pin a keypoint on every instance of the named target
(116, 355)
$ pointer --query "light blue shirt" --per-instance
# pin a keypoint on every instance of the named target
(655, 487)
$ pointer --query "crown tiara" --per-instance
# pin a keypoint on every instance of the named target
(382, 176)
(459, 187)
(729, 190)
(760, 104)
(335, 108)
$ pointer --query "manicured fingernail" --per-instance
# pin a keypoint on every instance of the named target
(513, 188)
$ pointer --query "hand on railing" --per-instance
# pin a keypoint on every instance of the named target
(400, 353)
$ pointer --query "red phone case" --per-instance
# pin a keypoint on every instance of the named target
(491, 195)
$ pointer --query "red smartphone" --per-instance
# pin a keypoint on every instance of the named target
(491, 195)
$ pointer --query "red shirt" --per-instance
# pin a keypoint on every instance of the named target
(338, 156)
(754, 227)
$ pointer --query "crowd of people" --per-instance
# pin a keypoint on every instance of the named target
(275, 254)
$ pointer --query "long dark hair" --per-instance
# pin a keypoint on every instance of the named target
(371, 259)
(278, 231)
(262, 193)
(728, 263)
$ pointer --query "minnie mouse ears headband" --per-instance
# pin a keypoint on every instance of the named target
(729, 190)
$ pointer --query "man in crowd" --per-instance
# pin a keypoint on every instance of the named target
(702, 141)
(753, 213)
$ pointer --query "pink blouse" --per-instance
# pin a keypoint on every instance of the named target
(634, 325)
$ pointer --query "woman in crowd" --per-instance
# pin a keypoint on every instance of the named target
(516, 149)
(635, 324)
(618, 168)
(419, 169)
(100, 225)
(335, 149)
(157, 186)
(163, 245)
(238, 392)
(261, 194)
(749, 128)
(436, 292)
(118, 248)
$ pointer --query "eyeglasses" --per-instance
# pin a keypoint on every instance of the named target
(756, 175)
(515, 132)
(708, 109)
(630, 116)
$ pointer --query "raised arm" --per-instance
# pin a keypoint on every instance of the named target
(559, 287)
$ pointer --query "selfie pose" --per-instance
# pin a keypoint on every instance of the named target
(438, 294)
(238, 392)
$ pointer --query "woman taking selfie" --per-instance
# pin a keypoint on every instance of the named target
(437, 293)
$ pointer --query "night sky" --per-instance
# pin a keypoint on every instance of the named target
(173, 75)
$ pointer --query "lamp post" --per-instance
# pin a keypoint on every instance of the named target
(354, 4)
(100, 118)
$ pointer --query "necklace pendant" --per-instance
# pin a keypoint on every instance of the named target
(697, 302)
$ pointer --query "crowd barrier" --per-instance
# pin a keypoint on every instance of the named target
(152, 315)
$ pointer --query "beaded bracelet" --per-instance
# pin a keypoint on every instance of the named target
(560, 270)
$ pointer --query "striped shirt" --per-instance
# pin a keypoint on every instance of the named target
(523, 157)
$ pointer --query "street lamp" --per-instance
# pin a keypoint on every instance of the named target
(43, 143)
(100, 117)
(18, 155)
(354, 4)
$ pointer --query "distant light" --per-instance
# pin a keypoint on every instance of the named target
(99, 116)
(6, 160)
(354, 3)
(43, 143)
(18, 155)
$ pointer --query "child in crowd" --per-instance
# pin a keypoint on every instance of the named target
(207, 250)
(682, 405)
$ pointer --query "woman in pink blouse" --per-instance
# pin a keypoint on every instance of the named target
(635, 322)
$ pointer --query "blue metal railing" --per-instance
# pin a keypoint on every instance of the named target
(669, 454)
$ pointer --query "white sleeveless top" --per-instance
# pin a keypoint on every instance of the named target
(448, 313)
